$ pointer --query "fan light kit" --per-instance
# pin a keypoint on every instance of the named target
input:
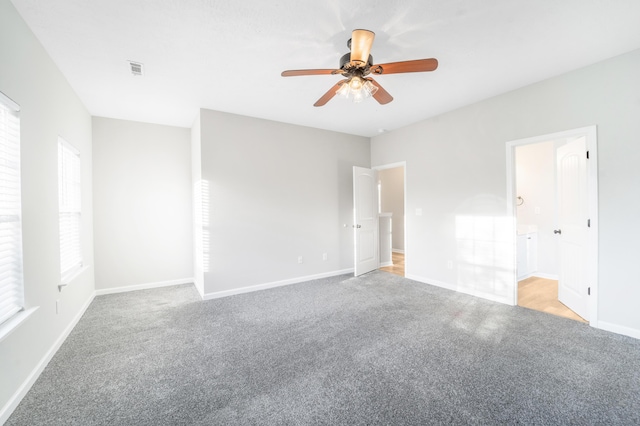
(357, 65)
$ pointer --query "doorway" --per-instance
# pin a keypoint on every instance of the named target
(391, 210)
(541, 294)
(552, 198)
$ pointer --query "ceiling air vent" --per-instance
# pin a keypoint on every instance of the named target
(136, 68)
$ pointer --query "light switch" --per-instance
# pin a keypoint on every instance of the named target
(418, 212)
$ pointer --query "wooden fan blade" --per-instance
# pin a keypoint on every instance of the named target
(419, 65)
(382, 96)
(294, 73)
(361, 42)
(330, 94)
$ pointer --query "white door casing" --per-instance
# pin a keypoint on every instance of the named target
(365, 219)
(591, 266)
(572, 226)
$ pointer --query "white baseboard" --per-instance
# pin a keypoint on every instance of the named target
(24, 388)
(397, 251)
(539, 275)
(619, 329)
(483, 295)
(545, 276)
(385, 264)
(146, 286)
(265, 286)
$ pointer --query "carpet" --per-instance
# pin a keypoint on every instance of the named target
(375, 349)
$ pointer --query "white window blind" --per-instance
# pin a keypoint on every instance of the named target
(69, 208)
(11, 284)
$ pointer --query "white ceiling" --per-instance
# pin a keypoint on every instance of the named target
(227, 55)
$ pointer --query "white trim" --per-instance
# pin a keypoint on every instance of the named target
(590, 134)
(524, 277)
(145, 286)
(15, 399)
(592, 194)
(385, 264)
(453, 287)
(397, 251)
(545, 276)
(619, 329)
(11, 324)
(265, 286)
(538, 275)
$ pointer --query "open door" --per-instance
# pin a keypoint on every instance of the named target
(365, 219)
(573, 229)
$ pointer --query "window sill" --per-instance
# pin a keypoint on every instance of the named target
(11, 324)
(68, 279)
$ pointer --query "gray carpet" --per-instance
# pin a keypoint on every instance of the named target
(377, 349)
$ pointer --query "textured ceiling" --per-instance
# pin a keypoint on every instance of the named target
(228, 55)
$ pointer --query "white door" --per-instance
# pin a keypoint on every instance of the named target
(572, 226)
(365, 219)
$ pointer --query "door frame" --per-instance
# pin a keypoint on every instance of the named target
(402, 164)
(590, 134)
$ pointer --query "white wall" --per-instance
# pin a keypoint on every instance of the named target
(456, 172)
(536, 184)
(277, 191)
(392, 201)
(49, 108)
(142, 202)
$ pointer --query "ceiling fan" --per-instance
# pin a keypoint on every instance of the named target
(357, 65)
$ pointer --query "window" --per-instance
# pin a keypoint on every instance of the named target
(70, 209)
(11, 284)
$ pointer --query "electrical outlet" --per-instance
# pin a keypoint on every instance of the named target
(58, 306)
(324, 256)
(418, 212)
(300, 259)
(536, 210)
(450, 264)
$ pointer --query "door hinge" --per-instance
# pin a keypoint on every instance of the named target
(587, 155)
(588, 291)
(588, 223)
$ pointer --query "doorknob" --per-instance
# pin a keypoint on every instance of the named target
(357, 226)
(557, 231)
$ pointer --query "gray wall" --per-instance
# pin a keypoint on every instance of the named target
(456, 172)
(280, 191)
(392, 200)
(49, 108)
(142, 202)
(277, 191)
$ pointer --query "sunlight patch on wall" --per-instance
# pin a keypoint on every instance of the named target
(485, 253)
(203, 244)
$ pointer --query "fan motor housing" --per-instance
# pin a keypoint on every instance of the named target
(346, 59)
